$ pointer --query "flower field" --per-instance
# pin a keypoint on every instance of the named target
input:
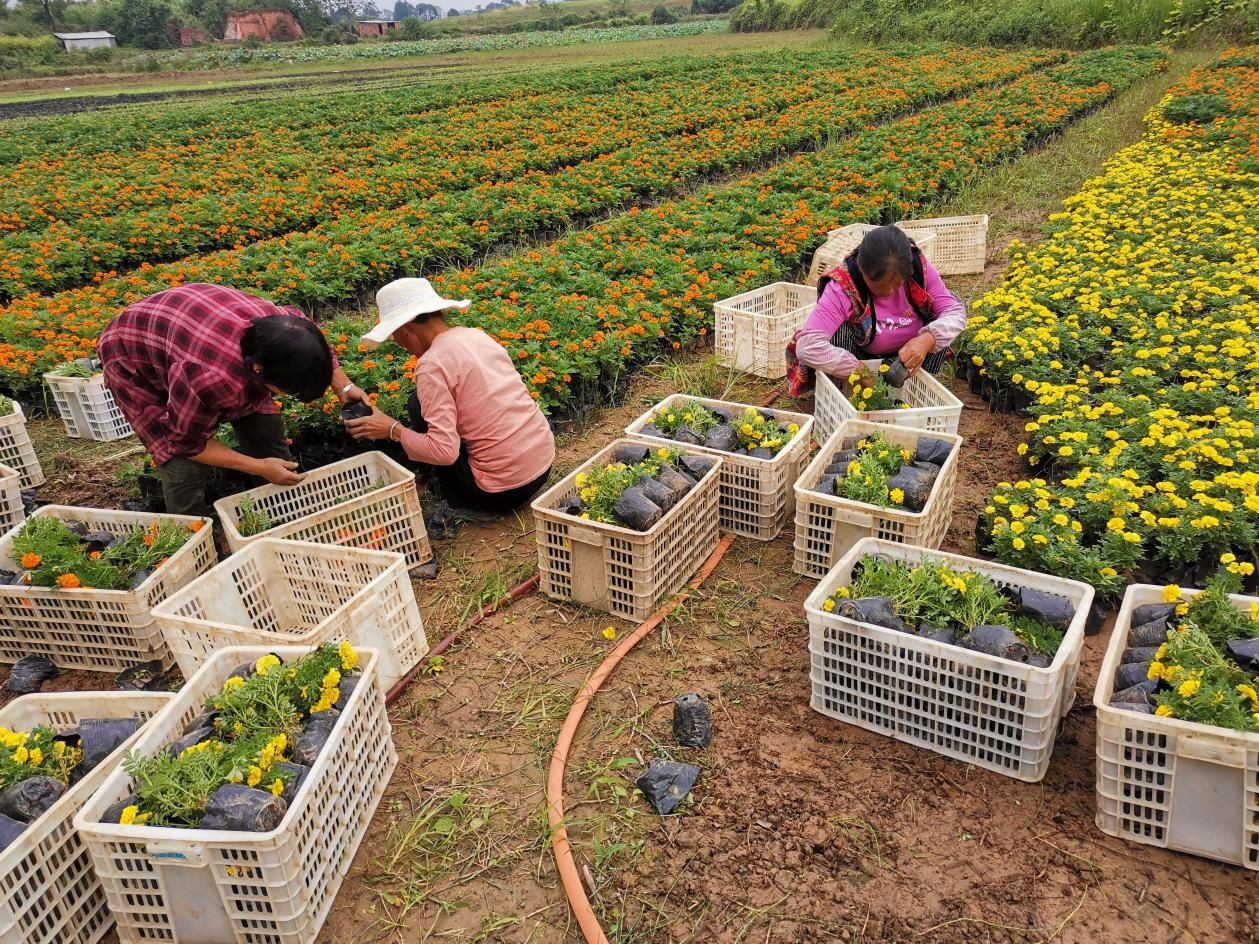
(1134, 349)
(576, 309)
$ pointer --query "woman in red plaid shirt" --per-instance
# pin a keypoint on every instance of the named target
(182, 362)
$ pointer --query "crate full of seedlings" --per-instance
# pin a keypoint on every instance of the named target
(763, 452)
(841, 242)
(16, 449)
(366, 501)
(78, 585)
(55, 752)
(277, 592)
(84, 403)
(1178, 721)
(876, 481)
(12, 508)
(970, 659)
(238, 810)
(751, 330)
(629, 527)
(922, 402)
(959, 244)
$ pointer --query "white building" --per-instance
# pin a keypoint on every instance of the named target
(79, 42)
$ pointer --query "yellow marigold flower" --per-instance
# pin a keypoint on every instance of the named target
(277, 787)
(829, 604)
(1189, 688)
(1108, 572)
(1165, 711)
(1156, 670)
(609, 632)
(349, 658)
(1019, 544)
(254, 777)
(266, 664)
(897, 496)
(131, 816)
(1171, 593)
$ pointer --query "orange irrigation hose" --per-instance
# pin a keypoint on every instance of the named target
(560, 846)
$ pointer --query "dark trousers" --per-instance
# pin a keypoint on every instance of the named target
(847, 338)
(260, 436)
(458, 483)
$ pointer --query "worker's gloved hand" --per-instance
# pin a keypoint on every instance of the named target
(279, 471)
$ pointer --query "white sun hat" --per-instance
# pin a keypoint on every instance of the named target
(400, 302)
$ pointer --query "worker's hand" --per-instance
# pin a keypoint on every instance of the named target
(279, 471)
(356, 393)
(915, 352)
(376, 426)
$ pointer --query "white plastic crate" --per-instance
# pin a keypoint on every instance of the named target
(757, 497)
(49, 893)
(827, 526)
(16, 449)
(960, 243)
(337, 504)
(1168, 782)
(840, 242)
(932, 406)
(87, 407)
(12, 512)
(96, 630)
(751, 330)
(977, 708)
(195, 886)
(278, 592)
(627, 573)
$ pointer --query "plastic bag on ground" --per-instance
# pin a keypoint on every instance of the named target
(100, 737)
(692, 721)
(877, 611)
(1051, 608)
(722, 437)
(997, 641)
(636, 510)
(239, 808)
(30, 673)
(665, 784)
(144, 677)
(29, 799)
(930, 449)
(10, 830)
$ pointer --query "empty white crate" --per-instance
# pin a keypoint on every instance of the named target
(96, 630)
(840, 242)
(1172, 783)
(960, 244)
(12, 512)
(277, 592)
(87, 407)
(751, 330)
(932, 406)
(195, 886)
(827, 526)
(757, 496)
(339, 504)
(16, 449)
(977, 708)
(49, 893)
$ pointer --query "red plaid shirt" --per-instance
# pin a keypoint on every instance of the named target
(173, 362)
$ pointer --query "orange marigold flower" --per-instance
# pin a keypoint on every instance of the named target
(196, 526)
(69, 581)
(30, 561)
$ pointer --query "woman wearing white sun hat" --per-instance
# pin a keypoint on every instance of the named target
(490, 444)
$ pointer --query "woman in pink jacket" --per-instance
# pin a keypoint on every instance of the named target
(885, 300)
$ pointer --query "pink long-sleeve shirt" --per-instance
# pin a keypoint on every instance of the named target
(896, 323)
(470, 392)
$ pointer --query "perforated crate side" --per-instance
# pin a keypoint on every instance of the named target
(97, 630)
(1172, 783)
(977, 708)
(932, 406)
(251, 888)
(87, 407)
(828, 525)
(16, 449)
(751, 330)
(12, 512)
(280, 592)
(960, 246)
(333, 505)
(757, 497)
(49, 893)
(612, 568)
(840, 242)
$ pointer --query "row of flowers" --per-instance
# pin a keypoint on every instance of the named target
(1130, 336)
(360, 249)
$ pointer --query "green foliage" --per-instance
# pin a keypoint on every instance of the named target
(53, 555)
(251, 520)
(877, 460)
(601, 488)
(1198, 109)
(688, 413)
(662, 15)
(35, 753)
(6, 405)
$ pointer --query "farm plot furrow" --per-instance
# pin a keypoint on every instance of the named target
(304, 187)
(334, 261)
(1133, 348)
(578, 313)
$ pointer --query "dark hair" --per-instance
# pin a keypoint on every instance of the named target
(292, 353)
(886, 250)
